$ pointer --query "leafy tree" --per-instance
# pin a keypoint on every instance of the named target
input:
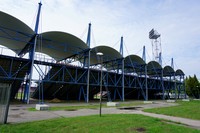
(192, 87)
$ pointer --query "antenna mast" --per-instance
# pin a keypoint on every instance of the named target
(156, 46)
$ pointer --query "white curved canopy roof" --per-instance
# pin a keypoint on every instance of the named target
(134, 59)
(168, 71)
(59, 45)
(109, 54)
(154, 68)
(179, 72)
(14, 34)
(134, 62)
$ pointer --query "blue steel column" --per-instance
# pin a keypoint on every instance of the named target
(184, 86)
(179, 87)
(88, 74)
(38, 18)
(175, 90)
(121, 47)
(144, 58)
(123, 98)
(101, 80)
(172, 63)
(89, 35)
(162, 84)
(144, 54)
(146, 87)
(122, 53)
(175, 85)
(160, 59)
(32, 53)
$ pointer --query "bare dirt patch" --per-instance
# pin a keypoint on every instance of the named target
(139, 129)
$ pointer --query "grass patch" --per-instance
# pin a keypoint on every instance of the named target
(116, 123)
(88, 106)
(134, 103)
(189, 110)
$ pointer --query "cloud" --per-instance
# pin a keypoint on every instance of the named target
(177, 22)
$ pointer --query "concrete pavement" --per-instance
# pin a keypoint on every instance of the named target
(19, 113)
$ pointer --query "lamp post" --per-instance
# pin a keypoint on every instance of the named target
(198, 91)
(100, 55)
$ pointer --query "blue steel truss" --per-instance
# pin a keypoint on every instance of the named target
(73, 80)
(67, 81)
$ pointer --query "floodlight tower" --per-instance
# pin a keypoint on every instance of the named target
(156, 46)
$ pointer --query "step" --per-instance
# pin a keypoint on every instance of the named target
(186, 100)
(42, 107)
(148, 102)
(171, 101)
(112, 104)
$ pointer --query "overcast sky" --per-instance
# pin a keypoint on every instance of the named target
(178, 22)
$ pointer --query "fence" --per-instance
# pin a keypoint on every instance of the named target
(4, 102)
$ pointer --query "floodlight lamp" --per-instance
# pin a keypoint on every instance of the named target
(99, 54)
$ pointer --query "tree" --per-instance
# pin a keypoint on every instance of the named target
(192, 87)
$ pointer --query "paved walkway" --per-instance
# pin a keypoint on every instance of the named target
(19, 113)
(187, 122)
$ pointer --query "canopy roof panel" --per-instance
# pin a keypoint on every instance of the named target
(154, 68)
(179, 72)
(14, 34)
(168, 71)
(134, 62)
(60, 45)
(109, 54)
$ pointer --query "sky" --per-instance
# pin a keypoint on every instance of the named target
(178, 22)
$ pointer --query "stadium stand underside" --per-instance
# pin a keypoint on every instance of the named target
(74, 72)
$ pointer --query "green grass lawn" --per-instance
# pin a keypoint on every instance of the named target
(189, 109)
(116, 123)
